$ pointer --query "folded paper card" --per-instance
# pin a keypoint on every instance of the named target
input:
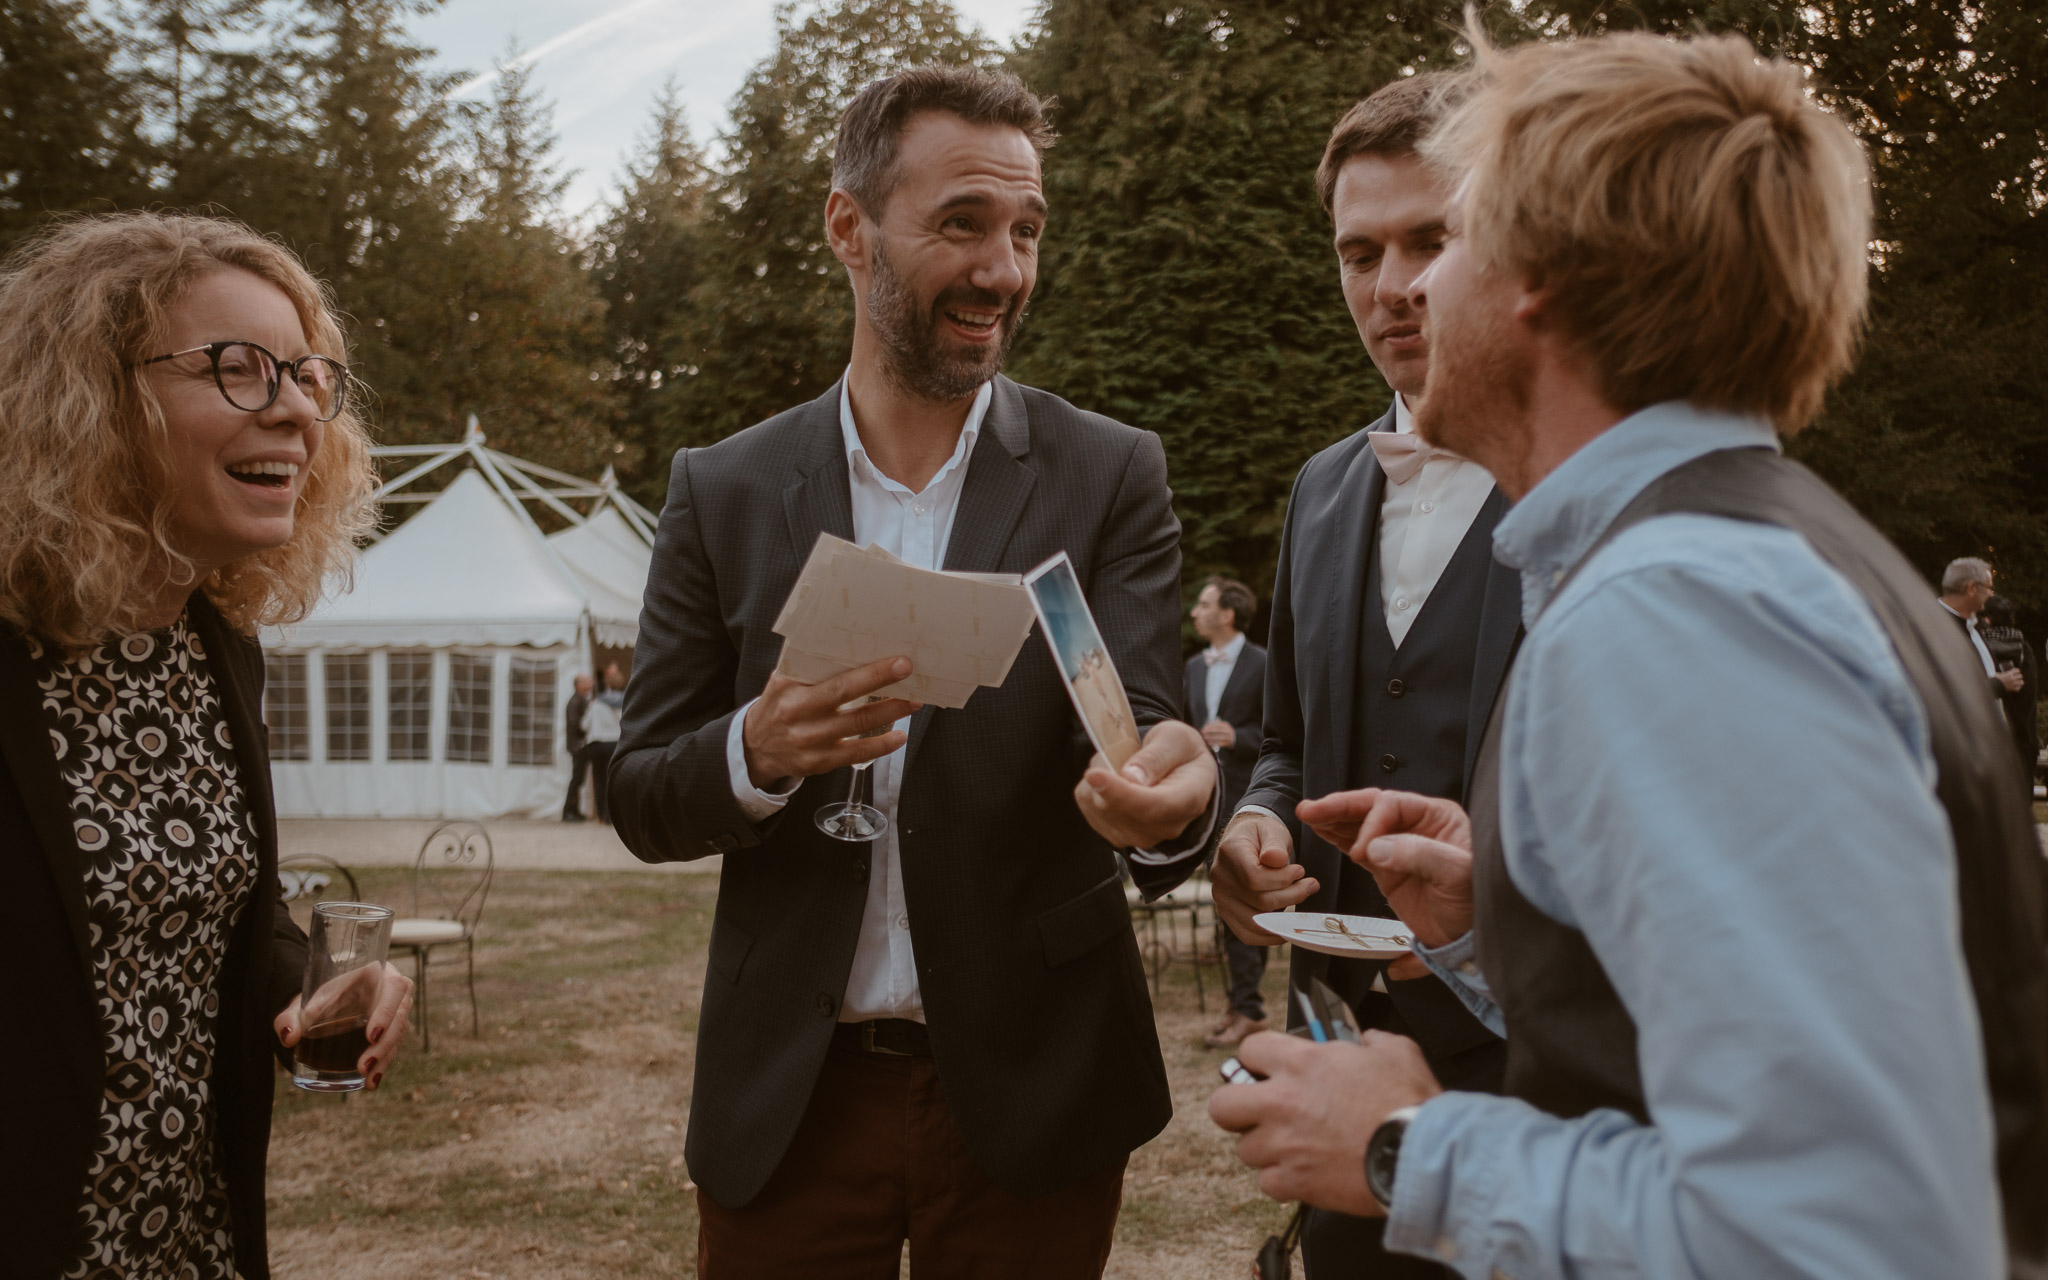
(854, 605)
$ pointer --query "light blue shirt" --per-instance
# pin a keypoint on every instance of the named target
(1713, 765)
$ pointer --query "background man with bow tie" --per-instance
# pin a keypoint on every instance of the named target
(1391, 630)
(1226, 692)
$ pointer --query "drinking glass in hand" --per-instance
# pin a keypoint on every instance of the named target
(344, 962)
(851, 820)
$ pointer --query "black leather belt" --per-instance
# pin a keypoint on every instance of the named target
(898, 1037)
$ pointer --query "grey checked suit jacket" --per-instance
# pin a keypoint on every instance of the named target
(1034, 993)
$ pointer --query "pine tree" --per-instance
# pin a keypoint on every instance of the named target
(770, 325)
(70, 126)
(646, 257)
(1940, 435)
(1188, 283)
(522, 346)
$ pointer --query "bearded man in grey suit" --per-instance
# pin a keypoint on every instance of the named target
(940, 1036)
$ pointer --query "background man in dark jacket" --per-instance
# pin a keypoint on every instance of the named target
(572, 733)
(941, 1035)
(1226, 695)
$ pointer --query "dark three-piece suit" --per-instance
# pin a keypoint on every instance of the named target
(1346, 709)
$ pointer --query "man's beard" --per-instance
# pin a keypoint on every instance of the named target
(914, 349)
(1476, 399)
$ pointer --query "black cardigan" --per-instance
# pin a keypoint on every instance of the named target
(53, 1072)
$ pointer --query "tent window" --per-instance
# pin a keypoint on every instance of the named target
(469, 708)
(348, 706)
(284, 706)
(530, 725)
(410, 704)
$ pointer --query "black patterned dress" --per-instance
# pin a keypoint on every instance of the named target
(167, 852)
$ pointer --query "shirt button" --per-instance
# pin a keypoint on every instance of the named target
(860, 871)
(920, 508)
(902, 920)
(1428, 507)
(1400, 603)
(1389, 763)
(828, 1004)
(1395, 688)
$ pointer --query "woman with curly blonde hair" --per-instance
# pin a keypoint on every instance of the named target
(178, 465)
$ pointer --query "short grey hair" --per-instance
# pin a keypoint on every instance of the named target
(864, 154)
(1961, 573)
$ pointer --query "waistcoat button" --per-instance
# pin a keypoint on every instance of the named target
(828, 1004)
(1395, 688)
(1389, 763)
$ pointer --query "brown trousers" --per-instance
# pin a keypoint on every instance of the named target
(877, 1161)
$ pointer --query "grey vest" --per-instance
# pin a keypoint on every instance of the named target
(1571, 1043)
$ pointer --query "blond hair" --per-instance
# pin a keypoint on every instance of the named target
(1701, 224)
(85, 491)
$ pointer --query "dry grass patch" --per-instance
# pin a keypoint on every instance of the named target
(551, 1144)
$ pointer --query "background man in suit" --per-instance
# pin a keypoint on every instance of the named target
(1391, 629)
(1226, 694)
(942, 1035)
(572, 738)
(1965, 587)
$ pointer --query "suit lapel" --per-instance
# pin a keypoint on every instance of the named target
(25, 744)
(1500, 628)
(992, 500)
(821, 501)
(1356, 525)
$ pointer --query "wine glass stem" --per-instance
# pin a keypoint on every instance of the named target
(853, 792)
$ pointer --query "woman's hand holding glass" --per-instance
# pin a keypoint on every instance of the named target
(383, 989)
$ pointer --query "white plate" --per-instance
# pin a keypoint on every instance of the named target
(1363, 937)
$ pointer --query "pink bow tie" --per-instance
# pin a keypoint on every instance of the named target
(1214, 656)
(1402, 456)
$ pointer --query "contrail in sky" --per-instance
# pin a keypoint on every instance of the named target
(569, 37)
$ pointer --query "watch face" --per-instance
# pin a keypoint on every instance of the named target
(1382, 1154)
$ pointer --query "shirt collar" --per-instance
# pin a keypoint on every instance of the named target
(857, 454)
(1555, 524)
(1404, 421)
(1231, 650)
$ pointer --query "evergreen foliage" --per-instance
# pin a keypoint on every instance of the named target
(70, 126)
(771, 320)
(1189, 283)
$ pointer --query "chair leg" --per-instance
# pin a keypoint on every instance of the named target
(419, 968)
(475, 1027)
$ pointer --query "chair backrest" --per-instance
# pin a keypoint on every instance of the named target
(307, 878)
(452, 876)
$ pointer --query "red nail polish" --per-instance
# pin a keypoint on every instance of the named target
(377, 1079)
(376, 1033)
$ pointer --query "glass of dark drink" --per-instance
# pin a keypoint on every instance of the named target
(344, 959)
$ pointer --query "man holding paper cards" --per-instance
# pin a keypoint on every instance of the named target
(939, 1035)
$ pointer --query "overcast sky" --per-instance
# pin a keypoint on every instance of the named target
(602, 61)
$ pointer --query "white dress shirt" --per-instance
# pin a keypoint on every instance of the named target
(1218, 675)
(1422, 522)
(915, 527)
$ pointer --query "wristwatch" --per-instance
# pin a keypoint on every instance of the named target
(1383, 1154)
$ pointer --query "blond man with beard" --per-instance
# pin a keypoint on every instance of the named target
(1746, 883)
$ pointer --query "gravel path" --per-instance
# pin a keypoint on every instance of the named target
(517, 844)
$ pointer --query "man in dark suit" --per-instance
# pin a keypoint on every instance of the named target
(572, 737)
(941, 1035)
(1392, 627)
(1226, 695)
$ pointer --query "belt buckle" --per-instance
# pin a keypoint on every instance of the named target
(867, 1040)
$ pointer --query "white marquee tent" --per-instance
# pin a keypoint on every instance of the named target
(434, 687)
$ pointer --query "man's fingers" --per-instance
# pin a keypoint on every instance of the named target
(863, 719)
(1237, 1107)
(1431, 861)
(859, 682)
(1168, 745)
